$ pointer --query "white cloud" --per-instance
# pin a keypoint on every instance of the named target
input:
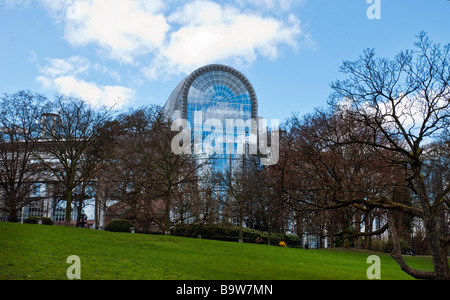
(172, 37)
(271, 5)
(209, 32)
(61, 75)
(14, 3)
(73, 65)
(93, 93)
(57, 5)
(124, 29)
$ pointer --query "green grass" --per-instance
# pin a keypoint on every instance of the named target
(40, 252)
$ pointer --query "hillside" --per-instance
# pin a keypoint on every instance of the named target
(40, 252)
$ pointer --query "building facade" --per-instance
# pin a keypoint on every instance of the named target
(220, 105)
(220, 108)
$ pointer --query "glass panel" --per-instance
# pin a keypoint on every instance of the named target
(219, 95)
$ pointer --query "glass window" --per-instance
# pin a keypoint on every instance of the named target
(219, 95)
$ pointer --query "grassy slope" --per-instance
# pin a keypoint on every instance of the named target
(40, 252)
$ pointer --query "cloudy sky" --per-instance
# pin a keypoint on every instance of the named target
(131, 53)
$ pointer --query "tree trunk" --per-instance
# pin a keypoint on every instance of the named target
(79, 212)
(438, 249)
(357, 230)
(397, 255)
(241, 232)
(68, 206)
(167, 216)
(368, 226)
(345, 236)
(12, 203)
(96, 210)
(346, 244)
(13, 215)
(269, 230)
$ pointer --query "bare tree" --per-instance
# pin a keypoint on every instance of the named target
(147, 177)
(171, 172)
(237, 200)
(124, 179)
(74, 143)
(244, 186)
(321, 177)
(266, 207)
(405, 105)
(19, 124)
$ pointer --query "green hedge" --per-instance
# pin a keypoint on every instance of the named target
(228, 232)
(34, 220)
(119, 225)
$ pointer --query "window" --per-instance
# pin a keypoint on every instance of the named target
(218, 95)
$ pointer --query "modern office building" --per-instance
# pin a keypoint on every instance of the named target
(220, 104)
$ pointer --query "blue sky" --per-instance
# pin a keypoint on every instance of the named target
(134, 52)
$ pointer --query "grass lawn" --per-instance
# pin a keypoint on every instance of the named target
(40, 252)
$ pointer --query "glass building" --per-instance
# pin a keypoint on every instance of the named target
(220, 105)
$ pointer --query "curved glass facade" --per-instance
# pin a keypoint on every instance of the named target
(219, 96)
(221, 107)
(211, 98)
